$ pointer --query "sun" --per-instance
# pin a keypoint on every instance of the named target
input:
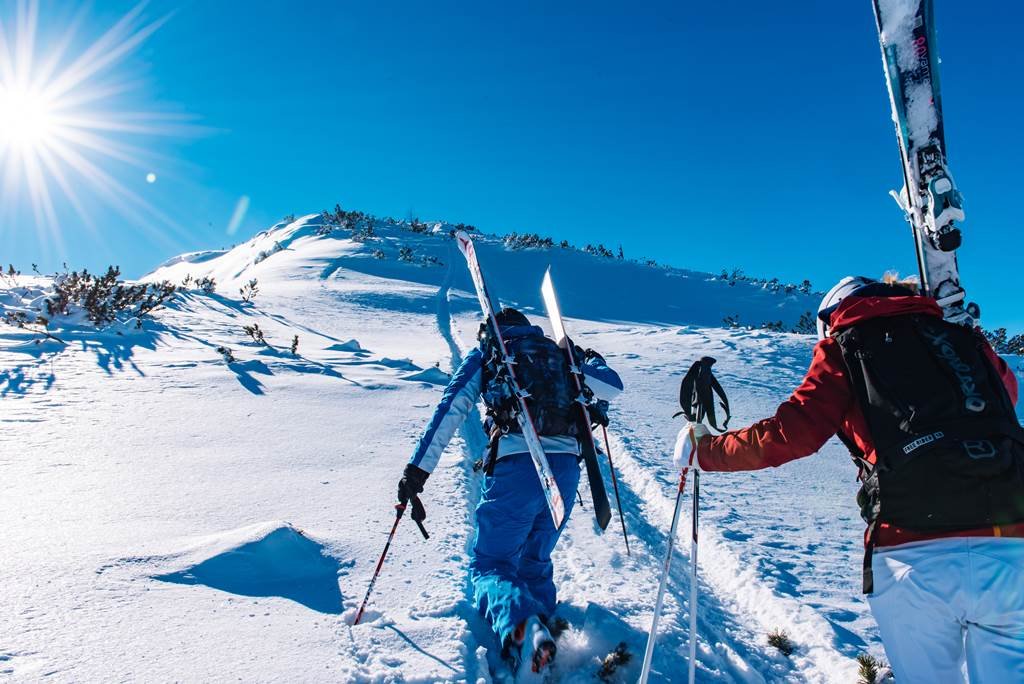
(70, 124)
(26, 119)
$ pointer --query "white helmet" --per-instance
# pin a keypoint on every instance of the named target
(843, 289)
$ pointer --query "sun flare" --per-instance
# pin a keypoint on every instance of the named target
(67, 130)
(26, 119)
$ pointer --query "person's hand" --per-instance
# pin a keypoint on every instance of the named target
(411, 484)
(409, 488)
(598, 411)
(681, 452)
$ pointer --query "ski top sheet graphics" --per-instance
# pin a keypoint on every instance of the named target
(602, 510)
(930, 201)
(488, 305)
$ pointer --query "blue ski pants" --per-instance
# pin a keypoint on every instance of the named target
(511, 567)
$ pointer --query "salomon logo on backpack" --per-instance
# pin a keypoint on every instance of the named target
(542, 373)
(950, 451)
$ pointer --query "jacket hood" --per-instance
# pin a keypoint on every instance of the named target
(854, 309)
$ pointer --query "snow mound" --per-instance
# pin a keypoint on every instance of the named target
(193, 257)
(350, 346)
(271, 559)
(433, 376)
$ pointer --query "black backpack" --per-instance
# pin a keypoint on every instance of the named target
(542, 372)
(950, 450)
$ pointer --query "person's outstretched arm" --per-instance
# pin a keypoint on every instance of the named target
(800, 426)
(460, 396)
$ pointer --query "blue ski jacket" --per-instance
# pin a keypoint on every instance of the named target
(463, 392)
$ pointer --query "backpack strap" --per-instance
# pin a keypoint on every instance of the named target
(864, 466)
(492, 450)
(868, 573)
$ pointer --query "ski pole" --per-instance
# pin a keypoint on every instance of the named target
(399, 510)
(645, 670)
(693, 571)
(615, 486)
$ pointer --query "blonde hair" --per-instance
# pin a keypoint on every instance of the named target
(912, 283)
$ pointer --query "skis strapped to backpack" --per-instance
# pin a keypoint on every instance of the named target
(585, 434)
(526, 425)
(930, 201)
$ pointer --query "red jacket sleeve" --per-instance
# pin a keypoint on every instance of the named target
(800, 427)
(1009, 379)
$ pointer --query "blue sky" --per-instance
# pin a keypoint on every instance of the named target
(706, 135)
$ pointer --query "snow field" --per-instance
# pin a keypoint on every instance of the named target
(174, 517)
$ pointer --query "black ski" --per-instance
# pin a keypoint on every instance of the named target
(602, 509)
(930, 201)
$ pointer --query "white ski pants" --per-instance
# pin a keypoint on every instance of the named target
(952, 610)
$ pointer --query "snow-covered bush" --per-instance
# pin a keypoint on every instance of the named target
(1003, 344)
(528, 241)
(406, 254)
(255, 333)
(294, 348)
(277, 247)
(773, 285)
(207, 284)
(600, 250)
(870, 669)
(379, 254)
(31, 322)
(807, 325)
(249, 290)
(780, 640)
(104, 299)
(226, 354)
(363, 232)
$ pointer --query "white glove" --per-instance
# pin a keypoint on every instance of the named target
(681, 453)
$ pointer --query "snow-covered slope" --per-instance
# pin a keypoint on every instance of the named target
(170, 516)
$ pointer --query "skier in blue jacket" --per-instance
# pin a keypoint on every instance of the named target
(511, 566)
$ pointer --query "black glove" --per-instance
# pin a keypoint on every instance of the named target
(409, 488)
(591, 354)
(598, 411)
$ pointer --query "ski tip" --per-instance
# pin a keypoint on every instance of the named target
(463, 240)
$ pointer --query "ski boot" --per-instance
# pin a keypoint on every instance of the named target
(530, 651)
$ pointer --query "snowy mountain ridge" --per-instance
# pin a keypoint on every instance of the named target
(188, 502)
(617, 289)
